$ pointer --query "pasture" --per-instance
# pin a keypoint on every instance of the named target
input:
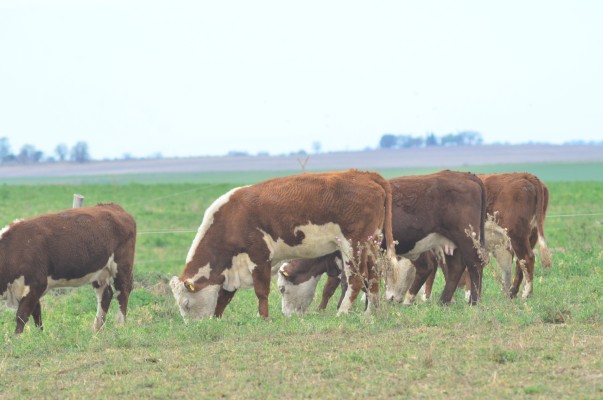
(547, 346)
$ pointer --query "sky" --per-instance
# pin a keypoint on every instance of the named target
(192, 78)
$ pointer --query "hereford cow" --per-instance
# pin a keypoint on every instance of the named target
(69, 248)
(520, 200)
(442, 212)
(249, 230)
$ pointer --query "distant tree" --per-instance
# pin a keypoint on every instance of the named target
(449, 139)
(79, 152)
(61, 151)
(236, 153)
(431, 140)
(29, 154)
(470, 138)
(316, 147)
(388, 141)
(408, 141)
(4, 149)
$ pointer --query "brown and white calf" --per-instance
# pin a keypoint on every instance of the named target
(430, 213)
(65, 249)
(249, 230)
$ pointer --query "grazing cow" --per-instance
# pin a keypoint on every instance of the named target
(520, 200)
(430, 213)
(249, 230)
(301, 277)
(68, 248)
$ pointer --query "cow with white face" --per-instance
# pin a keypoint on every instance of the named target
(248, 230)
(297, 281)
(443, 213)
(67, 249)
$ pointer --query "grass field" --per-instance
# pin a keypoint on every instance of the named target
(549, 346)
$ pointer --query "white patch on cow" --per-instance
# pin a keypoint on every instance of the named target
(346, 303)
(399, 279)
(99, 320)
(296, 298)
(7, 227)
(102, 276)
(203, 272)
(441, 245)
(408, 299)
(318, 241)
(467, 295)
(527, 289)
(208, 220)
(195, 305)
(239, 275)
(15, 291)
(422, 295)
(120, 318)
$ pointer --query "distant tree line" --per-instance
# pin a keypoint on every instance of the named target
(29, 154)
(464, 138)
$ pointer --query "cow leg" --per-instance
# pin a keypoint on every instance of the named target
(37, 314)
(261, 284)
(123, 286)
(354, 281)
(471, 260)
(524, 266)
(104, 294)
(328, 291)
(122, 282)
(344, 288)
(372, 295)
(455, 270)
(224, 297)
(27, 306)
(428, 286)
(422, 273)
(466, 283)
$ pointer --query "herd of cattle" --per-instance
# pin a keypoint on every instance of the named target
(299, 228)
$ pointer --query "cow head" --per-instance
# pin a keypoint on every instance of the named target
(194, 301)
(398, 280)
(296, 297)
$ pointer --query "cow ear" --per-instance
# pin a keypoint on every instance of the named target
(189, 285)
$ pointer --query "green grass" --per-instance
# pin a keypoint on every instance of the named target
(547, 347)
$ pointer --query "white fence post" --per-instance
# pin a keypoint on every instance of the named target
(78, 200)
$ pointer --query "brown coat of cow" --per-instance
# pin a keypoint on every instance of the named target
(249, 230)
(68, 248)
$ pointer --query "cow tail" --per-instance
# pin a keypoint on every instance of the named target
(483, 214)
(387, 223)
(482, 226)
(542, 203)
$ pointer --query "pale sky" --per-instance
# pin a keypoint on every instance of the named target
(186, 78)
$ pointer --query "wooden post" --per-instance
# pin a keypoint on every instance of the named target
(78, 200)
